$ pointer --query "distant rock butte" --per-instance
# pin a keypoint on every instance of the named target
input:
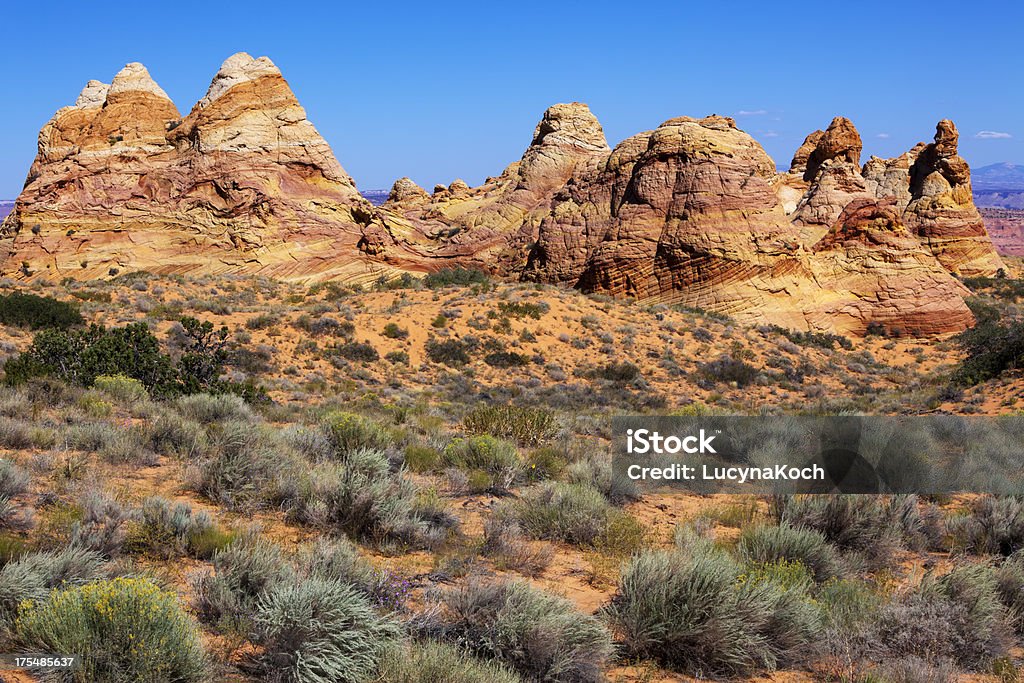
(691, 213)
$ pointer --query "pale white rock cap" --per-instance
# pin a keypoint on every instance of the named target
(135, 78)
(94, 94)
(237, 69)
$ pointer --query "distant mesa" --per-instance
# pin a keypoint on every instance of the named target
(692, 212)
(5, 208)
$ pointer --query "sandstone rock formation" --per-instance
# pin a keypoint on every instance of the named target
(692, 212)
(243, 183)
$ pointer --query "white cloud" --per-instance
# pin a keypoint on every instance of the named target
(769, 134)
(751, 112)
(884, 136)
(992, 135)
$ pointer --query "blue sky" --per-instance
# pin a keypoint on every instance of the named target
(452, 89)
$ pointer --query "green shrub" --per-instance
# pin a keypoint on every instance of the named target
(393, 331)
(697, 612)
(991, 526)
(527, 426)
(770, 544)
(37, 312)
(339, 560)
(523, 309)
(397, 357)
(542, 636)
(348, 432)
(574, 513)
(454, 276)
(545, 463)
(359, 496)
(990, 348)
(434, 662)
(208, 409)
(507, 359)
(103, 525)
(729, 370)
(422, 458)
(862, 525)
(620, 373)
(126, 629)
(122, 388)
(956, 617)
(80, 356)
(357, 351)
(497, 458)
(242, 572)
(823, 340)
(166, 530)
(451, 352)
(33, 576)
(242, 466)
(320, 631)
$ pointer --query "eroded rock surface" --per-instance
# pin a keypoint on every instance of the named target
(692, 212)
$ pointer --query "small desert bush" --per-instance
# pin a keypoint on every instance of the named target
(451, 352)
(123, 389)
(33, 576)
(103, 525)
(620, 373)
(242, 466)
(957, 617)
(507, 359)
(393, 331)
(455, 276)
(174, 434)
(545, 463)
(19, 435)
(770, 544)
(339, 560)
(729, 370)
(864, 528)
(991, 526)
(434, 662)
(207, 408)
(37, 312)
(242, 573)
(171, 530)
(359, 496)
(14, 481)
(348, 432)
(542, 636)
(126, 629)
(1009, 576)
(577, 514)
(523, 309)
(495, 461)
(507, 543)
(422, 458)
(822, 340)
(526, 426)
(320, 631)
(696, 611)
(357, 351)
